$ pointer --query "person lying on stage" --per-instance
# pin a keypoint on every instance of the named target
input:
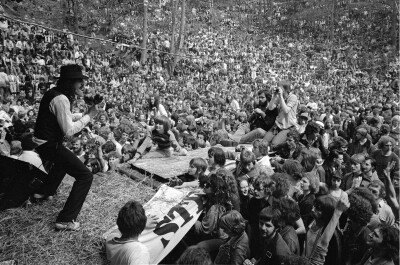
(161, 140)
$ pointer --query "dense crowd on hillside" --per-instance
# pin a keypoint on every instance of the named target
(324, 126)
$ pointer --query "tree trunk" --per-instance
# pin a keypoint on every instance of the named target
(173, 34)
(173, 30)
(394, 24)
(181, 40)
(212, 12)
(143, 56)
(332, 24)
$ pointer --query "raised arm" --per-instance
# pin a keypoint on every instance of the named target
(341, 206)
(390, 191)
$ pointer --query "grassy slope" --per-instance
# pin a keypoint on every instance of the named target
(28, 237)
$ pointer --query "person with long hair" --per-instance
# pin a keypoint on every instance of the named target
(216, 159)
(54, 122)
(244, 195)
(383, 245)
(356, 230)
(155, 107)
(219, 200)
(161, 141)
(236, 248)
(289, 209)
(385, 155)
(326, 213)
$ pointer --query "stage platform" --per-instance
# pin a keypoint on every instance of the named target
(170, 167)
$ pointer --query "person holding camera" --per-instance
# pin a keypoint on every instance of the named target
(54, 122)
(286, 120)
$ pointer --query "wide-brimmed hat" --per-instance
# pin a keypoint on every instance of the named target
(71, 71)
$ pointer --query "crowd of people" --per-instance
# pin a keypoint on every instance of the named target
(320, 184)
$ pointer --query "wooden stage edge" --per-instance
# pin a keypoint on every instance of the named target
(169, 167)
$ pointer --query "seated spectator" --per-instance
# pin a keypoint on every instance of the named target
(28, 154)
(15, 149)
(291, 149)
(78, 149)
(216, 159)
(247, 166)
(287, 103)
(93, 165)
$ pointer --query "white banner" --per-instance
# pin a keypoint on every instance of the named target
(177, 211)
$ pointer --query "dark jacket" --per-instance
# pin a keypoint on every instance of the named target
(273, 251)
(47, 127)
(234, 251)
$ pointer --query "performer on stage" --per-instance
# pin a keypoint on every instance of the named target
(54, 122)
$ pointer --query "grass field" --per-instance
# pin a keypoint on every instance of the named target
(27, 235)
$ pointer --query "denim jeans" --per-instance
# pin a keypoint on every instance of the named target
(65, 162)
(253, 135)
(272, 138)
(276, 139)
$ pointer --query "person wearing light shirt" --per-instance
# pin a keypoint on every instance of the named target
(54, 122)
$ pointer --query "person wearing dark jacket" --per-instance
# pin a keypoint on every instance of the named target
(236, 248)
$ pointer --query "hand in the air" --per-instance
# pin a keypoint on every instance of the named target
(92, 111)
(343, 204)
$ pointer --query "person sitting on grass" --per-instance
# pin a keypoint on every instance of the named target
(165, 144)
(127, 249)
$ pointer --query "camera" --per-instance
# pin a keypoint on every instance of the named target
(276, 91)
(90, 100)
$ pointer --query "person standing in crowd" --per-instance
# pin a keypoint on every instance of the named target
(54, 122)
(385, 155)
(385, 213)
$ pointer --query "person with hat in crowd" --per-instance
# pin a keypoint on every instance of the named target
(302, 121)
(54, 122)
